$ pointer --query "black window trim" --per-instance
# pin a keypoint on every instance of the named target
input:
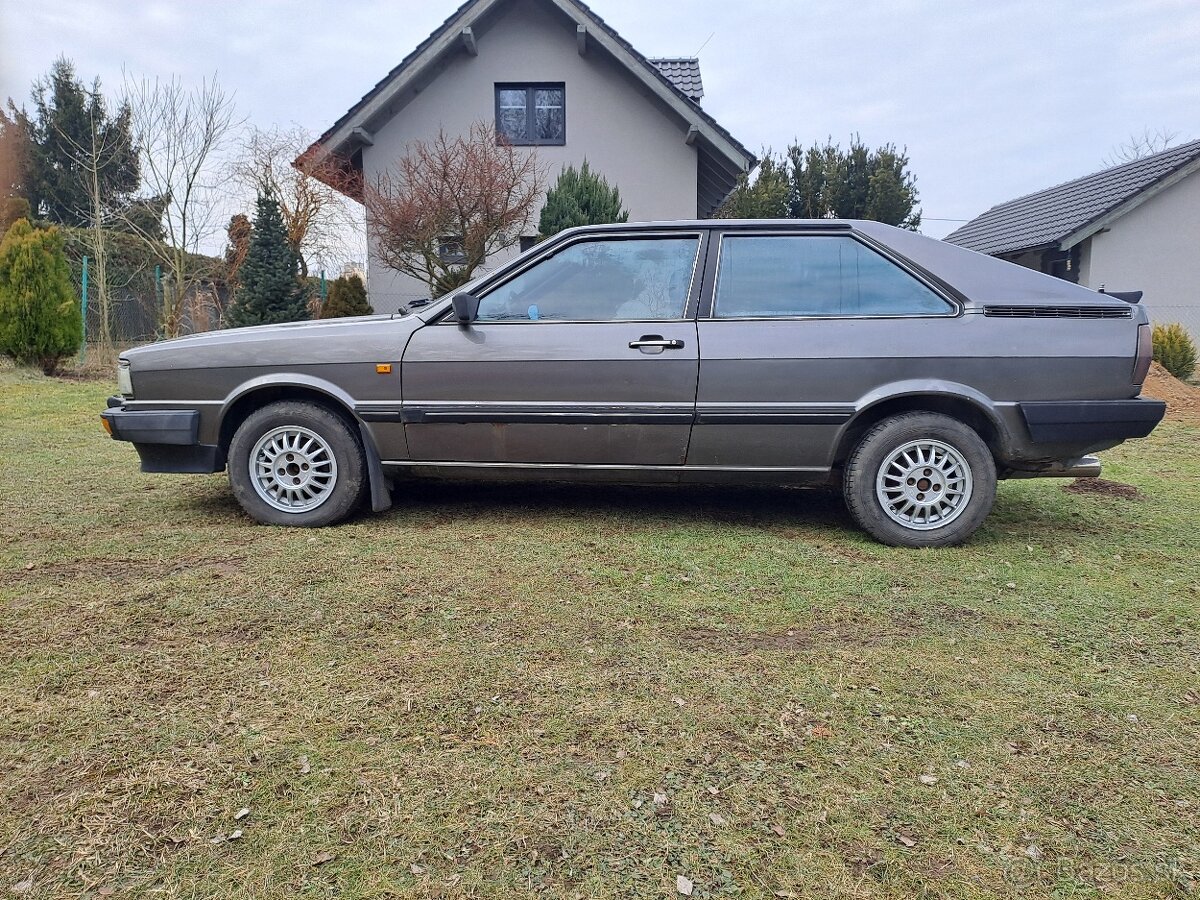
(936, 285)
(530, 111)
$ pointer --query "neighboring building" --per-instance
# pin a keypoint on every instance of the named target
(551, 74)
(356, 269)
(1132, 227)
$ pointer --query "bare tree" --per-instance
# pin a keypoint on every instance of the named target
(180, 134)
(1140, 146)
(93, 154)
(450, 203)
(312, 193)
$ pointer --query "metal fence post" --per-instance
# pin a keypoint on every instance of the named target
(83, 310)
(158, 301)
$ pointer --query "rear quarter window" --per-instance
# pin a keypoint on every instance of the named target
(774, 276)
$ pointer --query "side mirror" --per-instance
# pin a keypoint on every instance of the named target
(466, 308)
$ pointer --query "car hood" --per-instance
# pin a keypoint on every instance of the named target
(361, 338)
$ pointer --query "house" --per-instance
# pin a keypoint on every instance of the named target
(1135, 226)
(354, 269)
(637, 121)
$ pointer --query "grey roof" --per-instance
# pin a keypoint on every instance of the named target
(1052, 216)
(684, 73)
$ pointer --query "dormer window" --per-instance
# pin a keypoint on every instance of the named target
(532, 114)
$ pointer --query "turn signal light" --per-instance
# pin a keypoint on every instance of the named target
(383, 368)
(107, 425)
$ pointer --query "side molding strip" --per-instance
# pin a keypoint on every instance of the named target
(612, 414)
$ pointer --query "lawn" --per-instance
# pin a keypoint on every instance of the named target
(587, 692)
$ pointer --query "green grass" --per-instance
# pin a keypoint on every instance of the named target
(481, 692)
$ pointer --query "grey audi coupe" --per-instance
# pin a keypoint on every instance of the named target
(911, 372)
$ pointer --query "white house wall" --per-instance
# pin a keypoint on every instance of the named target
(625, 135)
(1154, 248)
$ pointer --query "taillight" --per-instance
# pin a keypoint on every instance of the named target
(1145, 352)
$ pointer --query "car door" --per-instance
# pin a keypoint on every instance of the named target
(798, 328)
(585, 356)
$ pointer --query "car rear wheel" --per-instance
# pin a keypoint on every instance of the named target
(920, 480)
(296, 463)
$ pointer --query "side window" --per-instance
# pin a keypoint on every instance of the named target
(599, 281)
(815, 275)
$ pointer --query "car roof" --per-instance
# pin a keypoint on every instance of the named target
(978, 277)
(823, 224)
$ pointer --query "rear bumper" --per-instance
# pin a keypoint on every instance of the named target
(167, 440)
(1091, 421)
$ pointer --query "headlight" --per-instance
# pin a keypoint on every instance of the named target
(124, 382)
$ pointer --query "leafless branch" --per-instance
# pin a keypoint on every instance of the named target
(180, 134)
(96, 153)
(1140, 146)
(322, 222)
(476, 189)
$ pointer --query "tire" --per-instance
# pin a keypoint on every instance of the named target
(889, 495)
(296, 463)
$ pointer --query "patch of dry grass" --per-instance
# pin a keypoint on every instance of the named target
(561, 691)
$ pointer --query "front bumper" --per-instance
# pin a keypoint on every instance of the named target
(166, 440)
(1088, 422)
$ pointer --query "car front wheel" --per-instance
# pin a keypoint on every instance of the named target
(920, 480)
(296, 463)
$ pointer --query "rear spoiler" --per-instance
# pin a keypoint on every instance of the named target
(1127, 296)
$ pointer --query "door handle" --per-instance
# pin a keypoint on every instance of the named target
(655, 340)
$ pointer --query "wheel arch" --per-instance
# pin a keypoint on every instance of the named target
(957, 401)
(259, 392)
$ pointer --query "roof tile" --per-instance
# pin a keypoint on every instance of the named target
(684, 73)
(1048, 217)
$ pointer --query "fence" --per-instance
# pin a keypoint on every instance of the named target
(1186, 315)
(135, 317)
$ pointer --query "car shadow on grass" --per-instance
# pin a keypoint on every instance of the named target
(681, 504)
(794, 511)
(1019, 516)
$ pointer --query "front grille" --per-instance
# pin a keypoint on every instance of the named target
(1059, 312)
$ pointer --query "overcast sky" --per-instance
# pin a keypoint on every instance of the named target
(993, 99)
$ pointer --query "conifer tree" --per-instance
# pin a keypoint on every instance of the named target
(347, 297)
(766, 195)
(580, 197)
(270, 290)
(69, 120)
(858, 183)
(40, 321)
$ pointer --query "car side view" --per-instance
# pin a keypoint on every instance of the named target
(912, 372)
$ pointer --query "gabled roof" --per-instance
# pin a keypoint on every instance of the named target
(722, 155)
(684, 73)
(1062, 216)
